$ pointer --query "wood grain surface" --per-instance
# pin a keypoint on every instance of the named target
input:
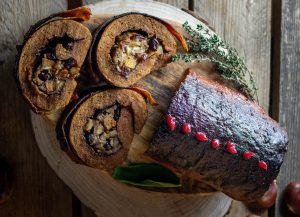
(286, 91)
(37, 190)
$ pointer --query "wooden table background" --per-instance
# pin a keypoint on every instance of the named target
(265, 32)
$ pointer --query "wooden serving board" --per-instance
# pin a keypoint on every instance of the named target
(97, 190)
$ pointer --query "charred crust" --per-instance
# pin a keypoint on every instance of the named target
(224, 114)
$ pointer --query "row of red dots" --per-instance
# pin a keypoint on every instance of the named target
(215, 143)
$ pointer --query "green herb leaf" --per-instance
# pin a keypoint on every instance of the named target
(204, 45)
(146, 175)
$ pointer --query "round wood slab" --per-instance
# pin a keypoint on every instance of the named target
(97, 190)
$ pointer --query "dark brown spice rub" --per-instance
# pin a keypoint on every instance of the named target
(49, 62)
(99, 130)
(128, 46)
(219, 137)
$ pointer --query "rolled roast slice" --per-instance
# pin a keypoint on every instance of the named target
(128, 46)
(221, 138)
(98, 130)
(49, 63)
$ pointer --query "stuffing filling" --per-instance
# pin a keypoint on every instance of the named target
(54, 65)
(101, 130)
(132, 48)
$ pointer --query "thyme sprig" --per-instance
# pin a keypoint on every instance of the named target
(204, 45)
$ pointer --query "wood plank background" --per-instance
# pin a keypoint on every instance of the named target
(37, 189)
(264, 32)
(286, 89)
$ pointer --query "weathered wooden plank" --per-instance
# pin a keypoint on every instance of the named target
(246, 26)
(288, 91)
(86, 2)
(37, 190)
(87, 212)
(74, 3)
(176, 3)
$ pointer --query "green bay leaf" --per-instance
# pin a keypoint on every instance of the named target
(146, 175)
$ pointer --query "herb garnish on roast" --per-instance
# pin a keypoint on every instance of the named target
(205, 45)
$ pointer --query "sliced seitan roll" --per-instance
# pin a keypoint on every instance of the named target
(128, 46)
(49, 62)
(99, 129)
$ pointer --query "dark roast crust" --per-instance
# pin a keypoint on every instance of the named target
(74, 130)
(24, 63)
(95, 60)
(227, 115)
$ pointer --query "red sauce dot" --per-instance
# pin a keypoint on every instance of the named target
(215, 143)
(248, 154)
(201, 137)
(186, 128)
(263, 165)
(230, 147)
(171, 122)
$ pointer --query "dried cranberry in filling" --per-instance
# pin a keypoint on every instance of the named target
(69, 45)
(69, 63)
(51, 56)
(137, 36)
(153, 43)
(117, 114)
(125, 71)
(107, 146)
(88, 137)
(45, 75)
(142, 57)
